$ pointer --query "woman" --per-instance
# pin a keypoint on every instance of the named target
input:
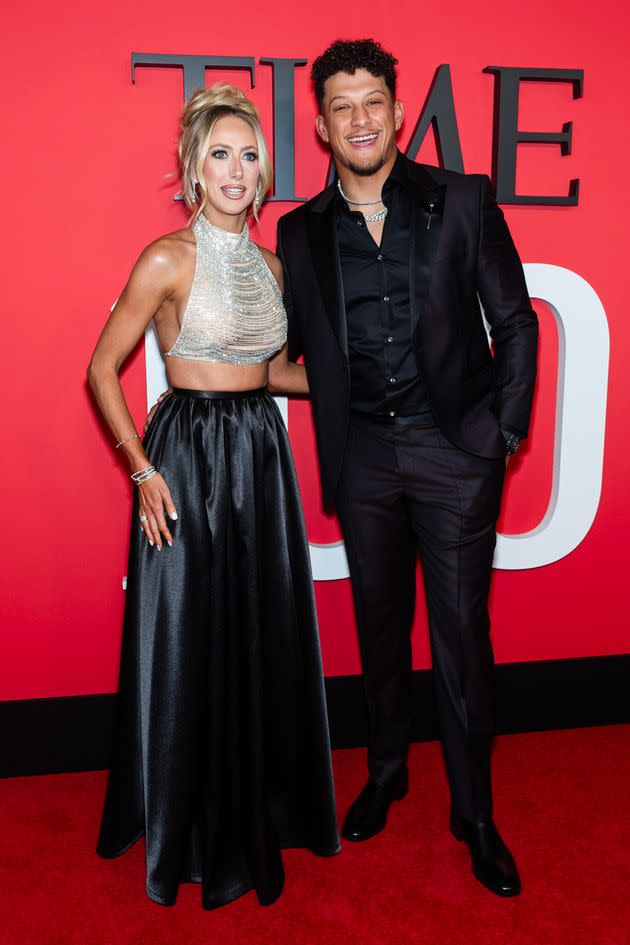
(222, 755)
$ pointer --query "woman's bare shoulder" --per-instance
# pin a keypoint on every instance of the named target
(273, 262)
(172, 247)
(168, 252)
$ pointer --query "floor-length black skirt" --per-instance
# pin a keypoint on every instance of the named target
(221, 754)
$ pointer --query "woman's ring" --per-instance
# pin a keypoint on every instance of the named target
(143, 518)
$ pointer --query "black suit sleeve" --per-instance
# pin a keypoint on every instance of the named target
(514, 325)
(294, 338)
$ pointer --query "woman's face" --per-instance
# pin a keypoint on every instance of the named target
(231, 167)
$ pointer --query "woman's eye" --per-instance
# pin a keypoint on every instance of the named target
(250, 156)
(219, 153)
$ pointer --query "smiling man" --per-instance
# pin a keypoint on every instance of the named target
(414, 418)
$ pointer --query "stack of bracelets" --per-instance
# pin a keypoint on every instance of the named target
(143, 475)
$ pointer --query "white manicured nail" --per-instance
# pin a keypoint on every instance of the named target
(150, 542)
(174, 516)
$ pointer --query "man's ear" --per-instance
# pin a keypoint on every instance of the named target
(322, 130)
(399, 114)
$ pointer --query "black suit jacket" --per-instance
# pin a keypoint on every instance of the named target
(460, 252)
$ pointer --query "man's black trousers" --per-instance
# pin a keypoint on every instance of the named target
(406, 490)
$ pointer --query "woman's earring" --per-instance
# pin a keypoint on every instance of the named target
(258, 194)
(194, 193)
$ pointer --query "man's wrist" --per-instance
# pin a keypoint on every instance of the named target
(512, 441)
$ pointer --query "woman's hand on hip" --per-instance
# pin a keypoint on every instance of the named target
(155, 406)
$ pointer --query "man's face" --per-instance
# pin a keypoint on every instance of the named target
(359, 120)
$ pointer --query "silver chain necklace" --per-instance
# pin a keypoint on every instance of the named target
(368, 217)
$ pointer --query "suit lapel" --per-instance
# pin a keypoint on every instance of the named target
(322, 234)
(427, 207)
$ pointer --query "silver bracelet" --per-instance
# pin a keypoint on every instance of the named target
(132, 437)
(143, 475)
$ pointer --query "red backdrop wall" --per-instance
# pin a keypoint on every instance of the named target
(84, 163)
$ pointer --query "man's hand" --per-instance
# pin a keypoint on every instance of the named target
(155, 407)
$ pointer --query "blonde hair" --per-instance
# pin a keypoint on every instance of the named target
(201, 113)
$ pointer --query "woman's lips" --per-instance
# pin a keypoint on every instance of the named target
(233, 193)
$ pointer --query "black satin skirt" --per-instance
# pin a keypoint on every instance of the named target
(221, 753)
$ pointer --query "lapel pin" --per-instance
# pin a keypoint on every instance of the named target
(431, 206)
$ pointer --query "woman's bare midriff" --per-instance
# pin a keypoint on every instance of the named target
(214, 375)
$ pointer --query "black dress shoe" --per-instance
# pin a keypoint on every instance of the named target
(368, 815)
(492, 862)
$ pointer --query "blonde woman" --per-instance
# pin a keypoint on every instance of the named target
(221, 754)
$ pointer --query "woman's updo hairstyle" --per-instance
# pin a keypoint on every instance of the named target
(201, 112)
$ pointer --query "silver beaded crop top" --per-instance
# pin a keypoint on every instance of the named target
(234, 313)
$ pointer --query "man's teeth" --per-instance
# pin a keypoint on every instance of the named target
(364, 138)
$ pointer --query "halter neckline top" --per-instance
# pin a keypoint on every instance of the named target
(234, 312)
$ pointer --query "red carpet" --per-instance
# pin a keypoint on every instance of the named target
(562, 804)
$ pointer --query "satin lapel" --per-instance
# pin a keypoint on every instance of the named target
(322, 233)
(426, 230)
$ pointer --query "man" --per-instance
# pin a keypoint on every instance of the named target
(414, 418)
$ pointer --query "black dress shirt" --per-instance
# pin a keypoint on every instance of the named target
(384, 376)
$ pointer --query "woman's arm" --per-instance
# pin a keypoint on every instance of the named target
(285, 377)
(150, 285)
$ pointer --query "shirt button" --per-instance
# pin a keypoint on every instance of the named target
(379, 257)
(392, 380)
(392, 413)
(386, 298)
(389, 338)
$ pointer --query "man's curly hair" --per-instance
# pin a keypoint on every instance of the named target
(349, 55)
